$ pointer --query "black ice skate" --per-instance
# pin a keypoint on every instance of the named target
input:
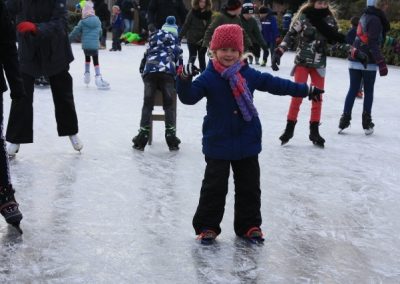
(140, 140)
(367, 123)
(288, 133)
(9, 207)
(344, 122)
(172, 141)
(314, 135)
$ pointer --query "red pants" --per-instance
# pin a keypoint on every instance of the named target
(300, 76)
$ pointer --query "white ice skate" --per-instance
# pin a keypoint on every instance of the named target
(86, 78)
(12, 149)
(101, 84)
(76, 142)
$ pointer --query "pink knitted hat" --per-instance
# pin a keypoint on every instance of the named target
(227, 36)
(88, 10)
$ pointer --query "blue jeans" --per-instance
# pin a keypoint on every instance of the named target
(128, 25)
(356, 77)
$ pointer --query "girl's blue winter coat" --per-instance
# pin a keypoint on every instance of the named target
(226, 135)
(89, 30)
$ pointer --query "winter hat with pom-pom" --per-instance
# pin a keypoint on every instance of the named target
(88, 10)
(227, 36)
(170, 26)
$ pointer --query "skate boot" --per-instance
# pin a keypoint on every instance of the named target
(367, 123)
(86, 78)
(101, 84)
(207, 237)
(9, 207)
(12, 149)
(76, 142)
(254, 235)
(140, 140)
(170, 136)
(344, 122)
(314, 134)
(257, 60)
(289, 130)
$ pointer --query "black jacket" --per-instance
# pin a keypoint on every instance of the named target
(101, 10)
(159, 10)
(8, 56)
(48, 52)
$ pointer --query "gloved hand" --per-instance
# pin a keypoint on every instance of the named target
(314, 93)
(276, 58)
(359, 56)
(142, 65)
(383, 70)
(25, 27)
(189, 70)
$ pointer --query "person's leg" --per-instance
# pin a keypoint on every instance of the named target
(4, 167)
(61, 89)
(369, 83)
(87, 63)
(167, 88)
(246, 174)
(20, 121)
(257, 52)
(211, 207)
(127, 25)
(202, 57)
(150, 88)
(114, 40)
(300, 76)
(192, 52)
(355, 81)
(317, 80)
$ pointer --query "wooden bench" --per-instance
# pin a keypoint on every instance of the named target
(158, 112)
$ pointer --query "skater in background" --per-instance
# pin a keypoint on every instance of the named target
(252, 29)
(231, 132)
(350, 37)
(194, 28)
(158, 68)
(371, 32)
(10, 66)
(117, 28)
(43, 49)
(89, 31)
(101, 10)
(270, 32)
(170, 26)
(313, 27)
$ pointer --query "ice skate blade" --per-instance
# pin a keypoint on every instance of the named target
(138, 148)
(319, 145)
(172, 149)
(18, 228)
(369, 131)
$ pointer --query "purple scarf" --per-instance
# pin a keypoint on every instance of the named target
(238, 84)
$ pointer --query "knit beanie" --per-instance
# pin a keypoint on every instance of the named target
(248, 8)
(227, 36)
(88, 10)
(371, 2)
(233, 5)
(170, 26)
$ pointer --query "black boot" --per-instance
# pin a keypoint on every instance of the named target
(314, 134)
(344, 121)
(289, 130)
(170, 136)
(367, 123)
(140, 140)
(9, 207)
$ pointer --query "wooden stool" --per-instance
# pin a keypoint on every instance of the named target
(157, 115)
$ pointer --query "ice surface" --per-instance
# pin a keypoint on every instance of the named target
(115, 215)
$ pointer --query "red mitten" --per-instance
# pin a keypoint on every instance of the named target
(25, 27)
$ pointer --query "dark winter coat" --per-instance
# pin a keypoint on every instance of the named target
(252, 29)
(222, 19)
(8, 56)
(163, 54)
(127, 9)
(269, 28)
(117, 23)
(101, 10)
(89, 31)
(48, 52)
(351, 35)
(370, 34)
(159, 10)
(195, 26)
(226, 135)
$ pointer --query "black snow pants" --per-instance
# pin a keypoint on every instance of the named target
(20, 123)
(246, 174)
(165, 83)
(4, 170)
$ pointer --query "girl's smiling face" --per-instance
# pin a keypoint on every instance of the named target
(227, 56)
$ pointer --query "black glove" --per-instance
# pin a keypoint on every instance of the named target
(276, 59)
(314, 93)
(142, 64)
(359, 56)
(189, 70)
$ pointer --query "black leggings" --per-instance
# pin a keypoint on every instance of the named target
(95, 59)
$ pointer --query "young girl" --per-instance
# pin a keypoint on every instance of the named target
(89, 30)
(371, 31)
(231, 132)
(314, 26)
(196, 24)
(10, 66)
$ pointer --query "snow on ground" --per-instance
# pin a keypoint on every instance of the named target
(115, 215)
